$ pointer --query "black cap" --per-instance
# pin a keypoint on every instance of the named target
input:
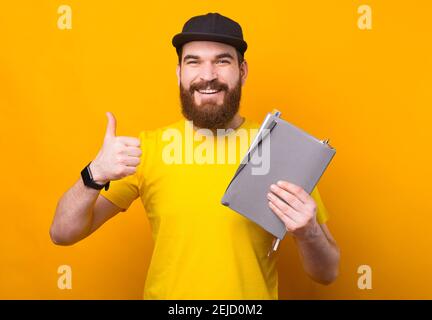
(211, 27)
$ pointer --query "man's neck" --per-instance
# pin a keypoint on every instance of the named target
(236, 122)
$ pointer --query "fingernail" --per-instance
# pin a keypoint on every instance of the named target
(273, 187)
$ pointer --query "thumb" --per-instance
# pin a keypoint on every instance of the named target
(111, 126)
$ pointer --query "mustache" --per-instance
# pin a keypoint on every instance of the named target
(211, 85)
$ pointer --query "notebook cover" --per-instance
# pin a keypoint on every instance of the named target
(295, 156)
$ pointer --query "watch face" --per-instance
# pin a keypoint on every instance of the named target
(88, 180)
(89, 172)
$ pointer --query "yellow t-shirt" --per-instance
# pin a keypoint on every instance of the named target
(202, 249)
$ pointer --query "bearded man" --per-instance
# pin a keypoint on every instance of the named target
(202, 249)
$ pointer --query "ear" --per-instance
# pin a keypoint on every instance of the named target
(244, 69)
(178, 74)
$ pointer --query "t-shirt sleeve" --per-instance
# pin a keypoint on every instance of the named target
(322, 213)
(124, 191)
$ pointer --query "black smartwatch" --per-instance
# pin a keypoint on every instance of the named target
(88, 179)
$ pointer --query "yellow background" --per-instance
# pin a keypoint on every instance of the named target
(369, 91)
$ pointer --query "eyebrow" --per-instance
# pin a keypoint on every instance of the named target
(190, 56)
(219, 56)
(224, 55)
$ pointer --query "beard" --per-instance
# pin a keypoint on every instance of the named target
(210, 115)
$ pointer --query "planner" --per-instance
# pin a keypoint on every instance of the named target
(279, 151)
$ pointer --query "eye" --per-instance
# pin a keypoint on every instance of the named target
(223, 61)
(192, 62)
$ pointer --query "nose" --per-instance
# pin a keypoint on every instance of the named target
(208, 72)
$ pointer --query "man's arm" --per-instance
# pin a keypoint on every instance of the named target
(318, 250)
(81, 210)
(320, 255)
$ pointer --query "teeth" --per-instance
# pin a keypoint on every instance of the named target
(207, 91)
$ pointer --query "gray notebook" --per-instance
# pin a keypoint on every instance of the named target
(290, 154)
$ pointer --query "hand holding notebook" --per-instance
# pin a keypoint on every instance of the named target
(293, 156)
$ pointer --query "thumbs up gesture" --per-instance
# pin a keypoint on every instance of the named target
(118, 157)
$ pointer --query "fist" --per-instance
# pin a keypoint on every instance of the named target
(119, 156)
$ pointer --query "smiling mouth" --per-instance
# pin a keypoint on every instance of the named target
(208, 91)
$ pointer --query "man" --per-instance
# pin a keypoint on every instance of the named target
(202, 250)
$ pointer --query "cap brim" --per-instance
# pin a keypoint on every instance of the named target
(180, 39)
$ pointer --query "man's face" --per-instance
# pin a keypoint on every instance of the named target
(210, 80)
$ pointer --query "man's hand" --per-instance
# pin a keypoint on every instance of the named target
(295, 207)
(118, 157)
